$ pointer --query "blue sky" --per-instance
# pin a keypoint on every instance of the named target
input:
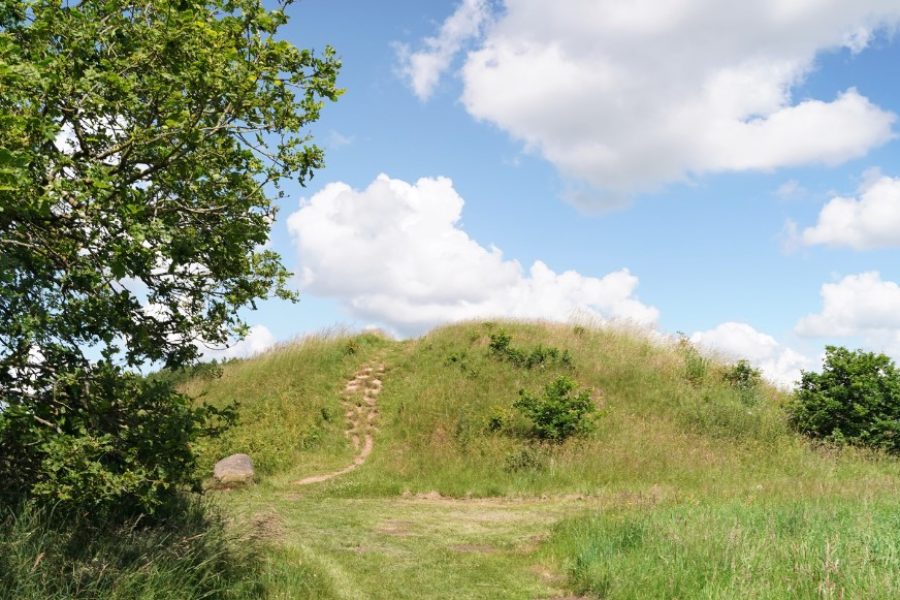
(738, 163)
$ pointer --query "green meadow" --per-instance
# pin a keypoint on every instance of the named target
(686, 486)
(680, 485)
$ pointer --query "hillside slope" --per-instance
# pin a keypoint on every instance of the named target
(456, 500)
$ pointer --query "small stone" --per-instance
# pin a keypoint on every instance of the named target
(237, 468)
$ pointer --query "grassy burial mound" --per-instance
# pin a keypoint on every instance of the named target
(527, 460)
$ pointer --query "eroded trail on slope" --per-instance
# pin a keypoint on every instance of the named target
(360, 402)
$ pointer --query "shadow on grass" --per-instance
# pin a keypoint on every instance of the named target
(186, 554)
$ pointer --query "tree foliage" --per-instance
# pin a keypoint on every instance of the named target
(142, 144)
(855, 400)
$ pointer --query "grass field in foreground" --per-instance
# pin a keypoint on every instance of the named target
(725, 500)
(818, 548)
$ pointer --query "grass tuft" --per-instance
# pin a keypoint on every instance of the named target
(190, 555)
(800, 549)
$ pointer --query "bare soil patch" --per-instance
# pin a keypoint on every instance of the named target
(360, 402)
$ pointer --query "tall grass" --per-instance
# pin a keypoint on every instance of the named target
(190, 555)
(664, 421)
(660, 423)
(833, 549)
(289, 410)
(705, 490)
(289, 417)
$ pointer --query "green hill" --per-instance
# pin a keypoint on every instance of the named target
(688, 486)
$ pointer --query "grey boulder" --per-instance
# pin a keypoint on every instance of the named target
(237, 468)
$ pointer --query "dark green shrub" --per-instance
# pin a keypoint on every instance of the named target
(539, 356)
(501, 347)
(500, 342)
(745, 379)
(559, 413)
(743, 376)
(854, 400)
(105, 440)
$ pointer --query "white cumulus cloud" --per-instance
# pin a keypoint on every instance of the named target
(871, 220)
(735, 341)
(258, 340)
(395, 253)
(627, 96)
(423, 68)
(861, 304)
(863, 308)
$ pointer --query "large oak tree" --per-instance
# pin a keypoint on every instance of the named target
(141, 148)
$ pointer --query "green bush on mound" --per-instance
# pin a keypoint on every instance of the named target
(743, 376)
(559, 413)
(854, 400)
(745, 379)
(539, 356)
